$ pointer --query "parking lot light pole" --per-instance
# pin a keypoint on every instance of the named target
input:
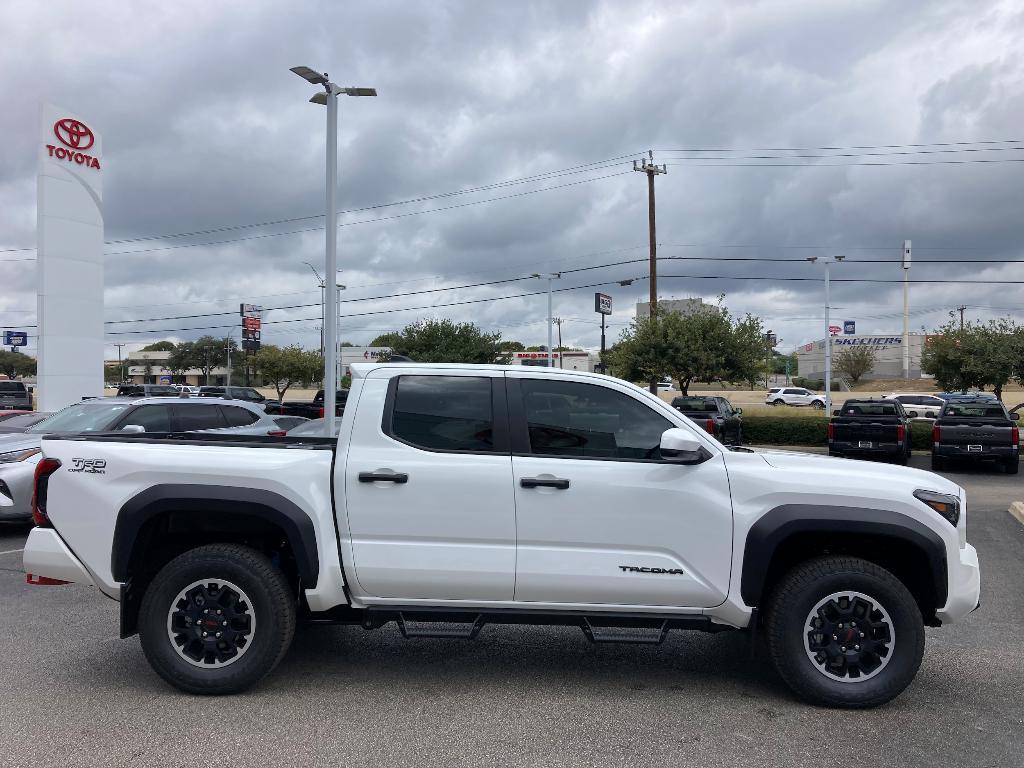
(827, 261)
(329, 98)
(550, 276)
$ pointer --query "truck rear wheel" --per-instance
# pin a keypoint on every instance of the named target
(844, 632)
(216, 619)
(1012, 466)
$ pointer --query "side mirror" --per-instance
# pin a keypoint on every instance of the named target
(133, 428)
(1015, 416)
(679, 446)
(929, 414)
(738, 411)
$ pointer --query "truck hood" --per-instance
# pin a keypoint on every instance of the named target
(866, 475)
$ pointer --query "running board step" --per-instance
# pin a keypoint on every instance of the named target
(651, 636)
(453, 633)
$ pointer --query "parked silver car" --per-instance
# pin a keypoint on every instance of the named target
(19, 453)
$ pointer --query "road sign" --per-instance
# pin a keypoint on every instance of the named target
(15, 338)
(603, 303)
(833, 330)
(849, 327)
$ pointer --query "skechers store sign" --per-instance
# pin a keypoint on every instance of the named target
(868, 341)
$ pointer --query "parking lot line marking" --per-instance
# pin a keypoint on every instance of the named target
(11, 551)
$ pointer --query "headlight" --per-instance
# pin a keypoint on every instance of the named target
(13, 456)
(946, 505)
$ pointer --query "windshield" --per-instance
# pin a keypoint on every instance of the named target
(81, 418)
(695, 404)
(12, 386)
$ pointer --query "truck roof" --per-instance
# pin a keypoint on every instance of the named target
(359, 370)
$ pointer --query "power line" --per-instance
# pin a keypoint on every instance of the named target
(855, 146)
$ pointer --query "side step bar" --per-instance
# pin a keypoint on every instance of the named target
(465, 624)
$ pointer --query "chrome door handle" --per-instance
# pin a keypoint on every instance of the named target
(544, 482)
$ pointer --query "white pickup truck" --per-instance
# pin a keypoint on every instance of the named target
(457, 496)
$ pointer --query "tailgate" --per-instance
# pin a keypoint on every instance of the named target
(850, 431)
(987, 435)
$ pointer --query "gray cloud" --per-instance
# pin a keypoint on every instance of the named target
(204, 127)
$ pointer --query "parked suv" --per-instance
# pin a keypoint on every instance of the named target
(249, 394)
(14, 395)
(19, 453)
(795, 396)
(146, 390)
(918, 404)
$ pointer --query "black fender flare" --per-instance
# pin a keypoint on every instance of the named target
(780, 523)
(266, 505)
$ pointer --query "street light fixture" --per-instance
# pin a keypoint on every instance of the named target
(550, 276)
(827, 261)
(329, 98)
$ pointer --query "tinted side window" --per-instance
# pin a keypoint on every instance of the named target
(239, 417)
(443, 413)
(155, 418)
(193, 417)
(794, 392)
(566, 418)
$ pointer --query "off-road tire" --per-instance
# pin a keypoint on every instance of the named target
(273, 606)
(793, 599)
(1012, 466)
(939, 463)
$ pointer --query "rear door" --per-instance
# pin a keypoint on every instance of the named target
(601, 518)
(428, 487)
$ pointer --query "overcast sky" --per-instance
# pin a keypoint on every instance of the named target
(204, 128)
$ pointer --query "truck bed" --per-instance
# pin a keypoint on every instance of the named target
(299, 442)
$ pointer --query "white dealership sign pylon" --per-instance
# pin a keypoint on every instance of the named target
(69, 267)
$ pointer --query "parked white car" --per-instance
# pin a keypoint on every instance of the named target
(794, 396)
(918, 404)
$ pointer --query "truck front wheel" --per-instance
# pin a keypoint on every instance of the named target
(844, 632)
(216, 619)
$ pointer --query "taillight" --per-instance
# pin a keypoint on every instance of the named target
(1015, 435)
(277, 433)
(831, 431)
(901, 432)
(321, 413)
(44, 469)
(710, 426)
(935, 433)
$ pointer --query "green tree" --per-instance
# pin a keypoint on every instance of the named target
(977, 355)
(853, 362)
(387, 339)
(16, 364)
(444, 341)
(160, 346)
(112, 372)
(705, 346)
(284, 366)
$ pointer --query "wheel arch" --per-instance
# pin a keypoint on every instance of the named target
(791, 533)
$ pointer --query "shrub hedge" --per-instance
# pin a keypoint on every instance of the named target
(812, 430)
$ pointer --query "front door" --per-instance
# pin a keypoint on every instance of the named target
(428, 488)
(601, 518)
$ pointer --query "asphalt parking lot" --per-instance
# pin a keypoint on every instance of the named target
(71, 693)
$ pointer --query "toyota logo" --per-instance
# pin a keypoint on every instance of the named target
(73, 133)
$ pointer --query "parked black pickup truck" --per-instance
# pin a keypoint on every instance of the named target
(870, 428)
(313, 409)
(976, 430)
(714, 414)
(15, 395)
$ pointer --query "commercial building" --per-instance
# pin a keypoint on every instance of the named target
(683, 306)
(570, 361)
(151, 368)
(888, 355)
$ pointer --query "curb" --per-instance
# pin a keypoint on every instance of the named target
(1017, 510)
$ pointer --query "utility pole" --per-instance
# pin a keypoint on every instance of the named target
(828, 261)
(558, 322)
(906, 310)
(647, 166)
(227, 348)
(120, 367)
(961, 309)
